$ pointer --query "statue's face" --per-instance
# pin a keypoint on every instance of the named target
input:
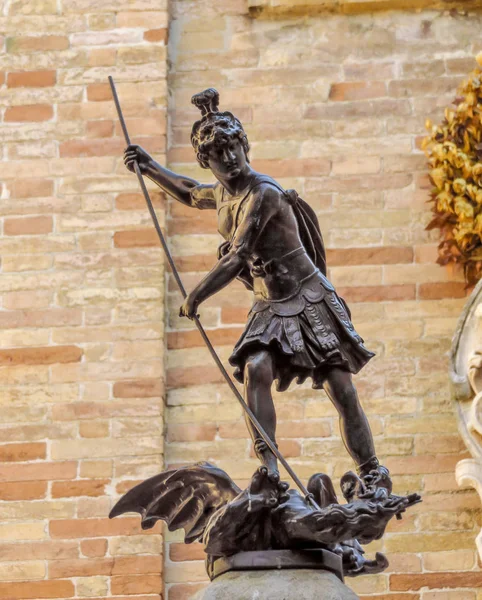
(227, 160)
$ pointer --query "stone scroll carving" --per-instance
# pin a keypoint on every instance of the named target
(466, 377)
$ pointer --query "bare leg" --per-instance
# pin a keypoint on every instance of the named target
(354, 426)
(258, 378)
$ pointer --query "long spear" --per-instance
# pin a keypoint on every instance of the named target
(204, 336)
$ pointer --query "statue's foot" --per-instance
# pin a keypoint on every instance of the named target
(273, 472)
(372, 483)
(376, 480)
(268, 459)
(275, 492)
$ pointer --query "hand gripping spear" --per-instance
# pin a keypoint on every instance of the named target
(204, 336)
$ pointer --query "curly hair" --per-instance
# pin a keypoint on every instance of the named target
(214, 128)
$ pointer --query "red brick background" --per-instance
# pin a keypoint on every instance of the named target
(334, 106)
(81, 343)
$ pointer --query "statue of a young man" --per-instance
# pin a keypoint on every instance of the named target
(298, 326)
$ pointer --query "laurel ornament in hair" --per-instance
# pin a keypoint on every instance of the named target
(215, 128)
(207, 101)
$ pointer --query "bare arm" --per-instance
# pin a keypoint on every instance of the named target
(184, 189)
(262, 206)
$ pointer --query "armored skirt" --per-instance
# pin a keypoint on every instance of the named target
(307, 334)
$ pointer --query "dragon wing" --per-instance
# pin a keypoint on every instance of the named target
(184, 498)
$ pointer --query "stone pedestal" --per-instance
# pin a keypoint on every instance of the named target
(284, 584)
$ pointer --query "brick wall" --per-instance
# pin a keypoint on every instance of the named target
(81, 319)
(334, 106)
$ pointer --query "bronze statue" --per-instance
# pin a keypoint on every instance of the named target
(298, 326)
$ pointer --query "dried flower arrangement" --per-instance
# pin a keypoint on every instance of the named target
(454, 152)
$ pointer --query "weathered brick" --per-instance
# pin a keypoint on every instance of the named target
(142, 388)
(435, 580)
(103, 38)
(355, 165)
(22, 571)
(180, 377)
(41, 472)
(369, 256)
(27, 262)
(156, 35)
(29, 113)
(94, 429)
(106, 447)
(135, 544)
(36, 550)
(100, 129)
(81, 567)
(28, 226)
(92, 586)
(185, 591)
(93, 410)
(37, 589)
(438, 290)
(68, 489)
(20, 490)
(31, 79)
(378, 293)
(102, 57)
(191, 432)
(136, 201)
(40, 318)
(22, 531)
(30, 44)
(191, 339)
(93, 528)
(99, 22)
(98, 92)
(182, 552)
(96, 468)
(40, 356)
(22, 452)
(357, 90)
(192, 571)
(193, 223)
(93, 548)
(461, 560)
(39, 510)
(132, 584)
(307, 167)
(92, 147)
(443, 444)
(140, 238)
(90, 508)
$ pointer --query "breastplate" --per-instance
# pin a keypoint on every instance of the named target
(228, 215)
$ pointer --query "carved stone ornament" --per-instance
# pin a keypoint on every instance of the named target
(466, 377)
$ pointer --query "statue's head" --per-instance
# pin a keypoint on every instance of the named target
(218, 137)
